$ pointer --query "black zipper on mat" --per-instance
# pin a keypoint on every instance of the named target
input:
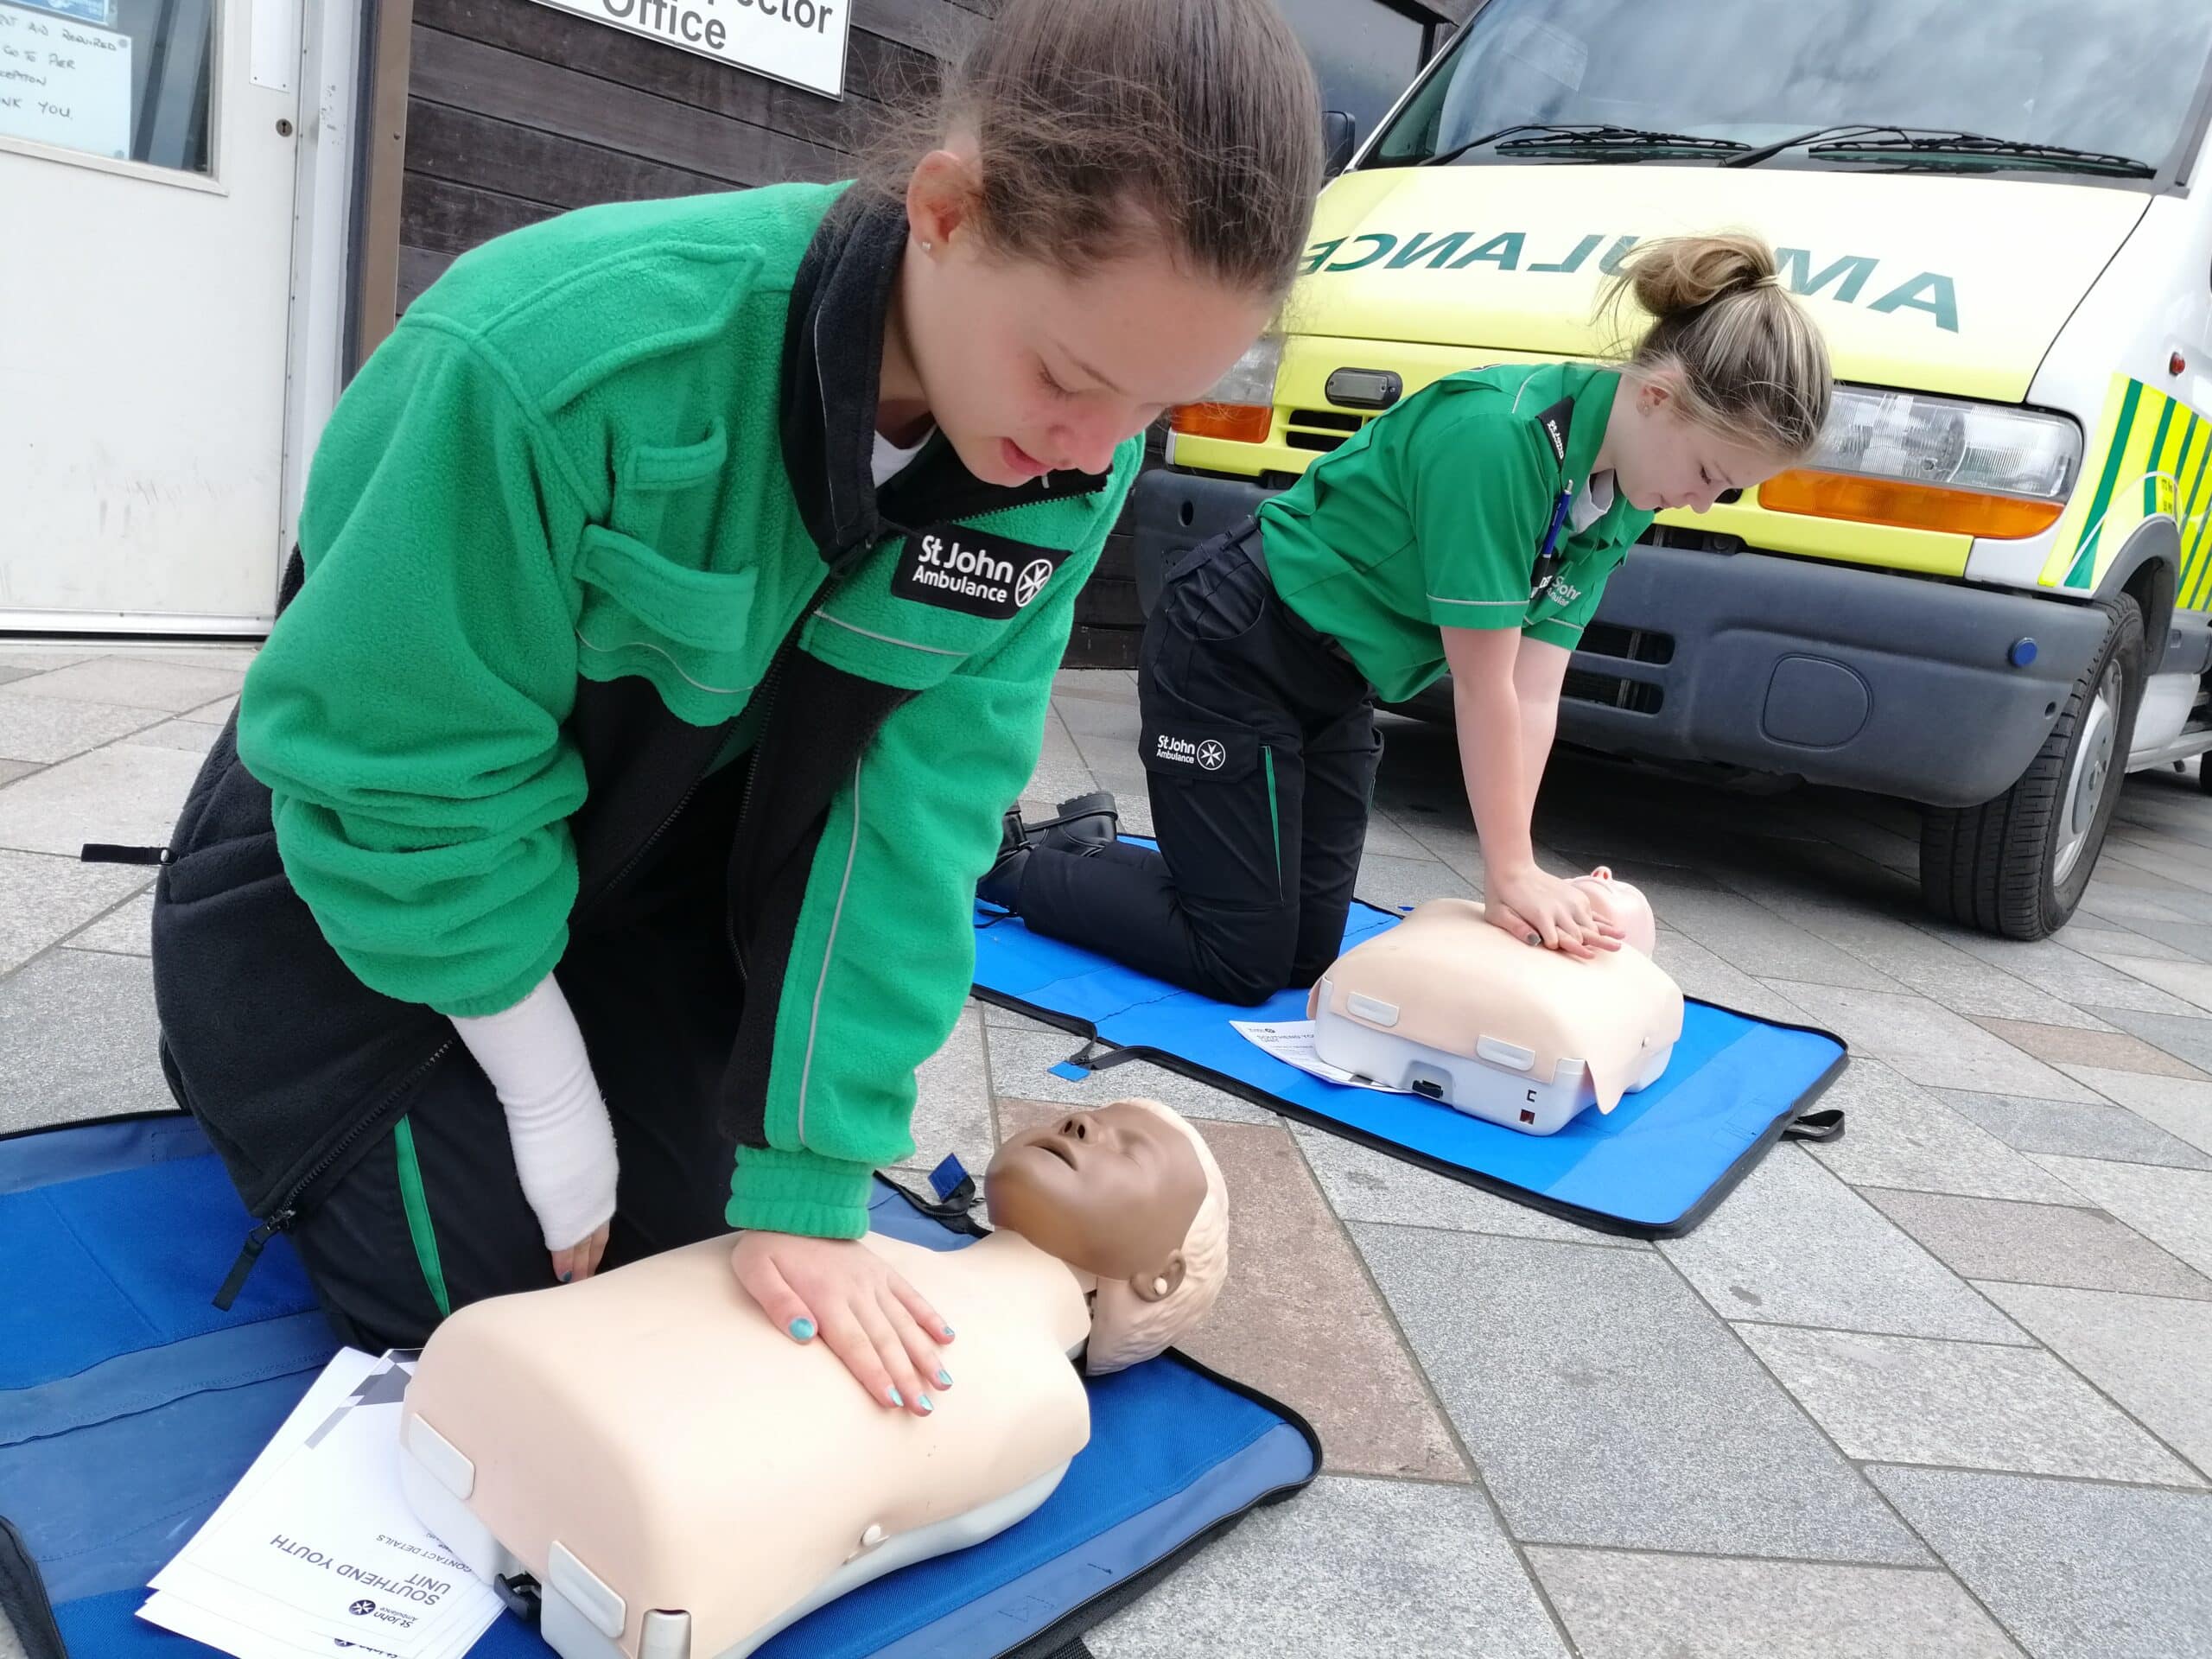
(280, 1218)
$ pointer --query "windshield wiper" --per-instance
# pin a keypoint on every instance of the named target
(1582, 135)
(1867, 140)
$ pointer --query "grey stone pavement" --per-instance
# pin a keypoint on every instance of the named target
(1942, 1387)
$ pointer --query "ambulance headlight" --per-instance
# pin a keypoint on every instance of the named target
(1918, 463)
(1241, 408)
(1251, 378)
(1949, 444)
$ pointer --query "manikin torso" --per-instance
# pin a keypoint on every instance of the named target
(741, 1474)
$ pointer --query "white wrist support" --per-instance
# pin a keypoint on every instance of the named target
(564, 1144)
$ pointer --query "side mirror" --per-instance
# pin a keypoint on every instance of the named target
(1340, 137)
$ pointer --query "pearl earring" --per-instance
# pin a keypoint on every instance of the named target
(1160, 1287)
(928, 247)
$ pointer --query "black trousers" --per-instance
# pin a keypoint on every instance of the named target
(433, 1217)
(1260, 749)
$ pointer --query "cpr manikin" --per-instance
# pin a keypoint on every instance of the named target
(1447, 1005)
(684, 1480)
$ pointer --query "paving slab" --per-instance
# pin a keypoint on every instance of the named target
(2074, 1570)
(1299, 1319)
(40, 731)
(122, 793)
(1364, 1185)
(2037, 1244)
(1605, 1404)
(193, 736)
(44, 899)
(1929, 1044)
(2068, 974)
(1794, 1245)
(1962, 1405)
(1703, 974)
(1758, 941)
(126, 931)
(2074, 1128)
(2169, 1207)
(1898, 1134)
(2067, 1046)
(1630, 1604)
(136, 682)
(2152, 1354)
(1022, 1062)
(2190, 981)
(1400, 883)
(2187, 1035)
(1349, 1567)
(2181, 1107)
(76, 1036)
(953, 1105)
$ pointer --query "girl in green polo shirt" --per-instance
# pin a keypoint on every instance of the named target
(591, 861)
(1470, 529)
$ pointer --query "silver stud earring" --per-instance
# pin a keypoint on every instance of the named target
(929, 247)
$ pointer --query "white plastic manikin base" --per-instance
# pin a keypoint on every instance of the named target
(1495, 1083)
(581, 1618)
(1447, 1005)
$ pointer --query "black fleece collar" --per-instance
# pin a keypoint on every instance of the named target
(833, 362)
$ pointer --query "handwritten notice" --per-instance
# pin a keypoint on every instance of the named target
(64, 83)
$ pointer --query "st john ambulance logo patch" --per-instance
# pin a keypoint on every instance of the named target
(957, 569)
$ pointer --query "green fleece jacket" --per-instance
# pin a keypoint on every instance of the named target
(564, 467)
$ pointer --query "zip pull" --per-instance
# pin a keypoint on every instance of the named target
(255, 1242)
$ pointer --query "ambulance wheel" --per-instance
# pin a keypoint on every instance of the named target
(2018, 865)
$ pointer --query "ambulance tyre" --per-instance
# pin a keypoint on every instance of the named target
(2018, 865)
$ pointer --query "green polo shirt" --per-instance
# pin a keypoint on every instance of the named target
(1431, 516)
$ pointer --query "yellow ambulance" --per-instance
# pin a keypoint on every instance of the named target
(1989, 591)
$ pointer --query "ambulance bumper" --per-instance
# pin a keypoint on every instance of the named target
(1835, 674)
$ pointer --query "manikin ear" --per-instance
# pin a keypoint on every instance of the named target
(941, 199)
(1161, 1283)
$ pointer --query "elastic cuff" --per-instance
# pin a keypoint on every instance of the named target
(780, 1191)
(502, 997)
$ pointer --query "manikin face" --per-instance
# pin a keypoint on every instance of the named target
(1112, 1193)
(1663, 461)
(1028, 370)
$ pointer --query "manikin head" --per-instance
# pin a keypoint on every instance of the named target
(1623, 906)
(1104, 213)
(1130, 1194)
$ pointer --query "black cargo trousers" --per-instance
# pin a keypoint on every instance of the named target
(424, 1213)
(1259, 750)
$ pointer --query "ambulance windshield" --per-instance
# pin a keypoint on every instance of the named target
(2085, 88)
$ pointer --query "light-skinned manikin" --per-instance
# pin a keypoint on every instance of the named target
(684, 1480)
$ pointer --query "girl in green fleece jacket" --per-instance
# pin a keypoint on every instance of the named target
(590, 863)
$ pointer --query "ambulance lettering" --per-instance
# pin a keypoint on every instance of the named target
(1848, 279)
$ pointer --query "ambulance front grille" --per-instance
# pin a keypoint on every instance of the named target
(1613, 691)
(1319, 429)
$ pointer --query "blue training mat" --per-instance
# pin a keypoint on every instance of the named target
(130, 1407)
(1652, 1168)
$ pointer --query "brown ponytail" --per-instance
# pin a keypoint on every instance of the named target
(1750, 359)
(1099, 122)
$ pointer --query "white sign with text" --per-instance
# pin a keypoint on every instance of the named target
(64, 83)
(802, 41)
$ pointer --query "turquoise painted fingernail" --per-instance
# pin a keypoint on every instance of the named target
(802, 1330)
(926, 1407)
(944, 1379)
(566, 1276)
(897, 1398)
(947, 1334)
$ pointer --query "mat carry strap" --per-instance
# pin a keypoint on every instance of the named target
(1824, 1125)
(1097, 1055)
